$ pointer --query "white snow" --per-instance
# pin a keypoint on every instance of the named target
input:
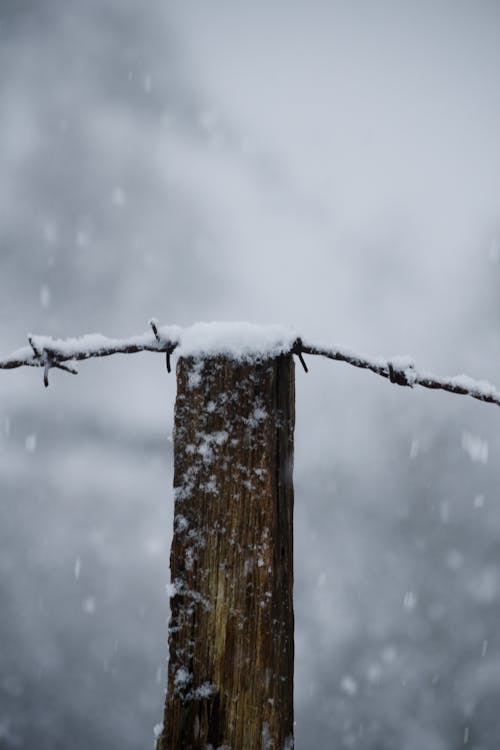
(89, 605)
(182, 677)
(481, 387)
(414, 448)
(405, 365)
(181, 523)
(241, 341)
(205, 691)
(44, 296)
(171, 589)
(118, 197)
(345, 353)
(266, 736)
(401, 362)
(157, 730)
(479, 501)
(349, 685)
(30, 443)
(91, 343)
(24, 354)
(475, 447)
(409, 601)
(258, 415)
(194, 377)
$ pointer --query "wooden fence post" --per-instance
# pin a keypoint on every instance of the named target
(231, 648)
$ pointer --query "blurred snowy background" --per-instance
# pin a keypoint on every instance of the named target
(333, 166)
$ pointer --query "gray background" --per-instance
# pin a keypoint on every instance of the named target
(333, 166)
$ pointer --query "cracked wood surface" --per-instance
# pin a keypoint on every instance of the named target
(230, 675)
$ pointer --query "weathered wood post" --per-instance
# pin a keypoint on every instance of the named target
(231, 648)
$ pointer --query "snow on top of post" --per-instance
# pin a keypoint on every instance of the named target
(240, 341)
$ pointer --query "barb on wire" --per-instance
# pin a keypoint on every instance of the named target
(47, 359)
(206, 339)
(154, 325)
(402, 371)
(49, 363)
(49, 353)
(297, 349)
(32, 344)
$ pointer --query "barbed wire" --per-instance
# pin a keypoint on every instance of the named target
(402, 371)
(49, 353)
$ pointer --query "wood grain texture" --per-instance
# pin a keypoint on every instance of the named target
(231, 650)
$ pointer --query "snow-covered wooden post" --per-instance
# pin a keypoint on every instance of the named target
(231, 648)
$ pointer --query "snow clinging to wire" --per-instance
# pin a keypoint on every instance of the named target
(240, 341)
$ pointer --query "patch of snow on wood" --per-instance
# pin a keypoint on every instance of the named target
(241, 341)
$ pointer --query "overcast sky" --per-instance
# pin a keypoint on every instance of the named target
(333, 166)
